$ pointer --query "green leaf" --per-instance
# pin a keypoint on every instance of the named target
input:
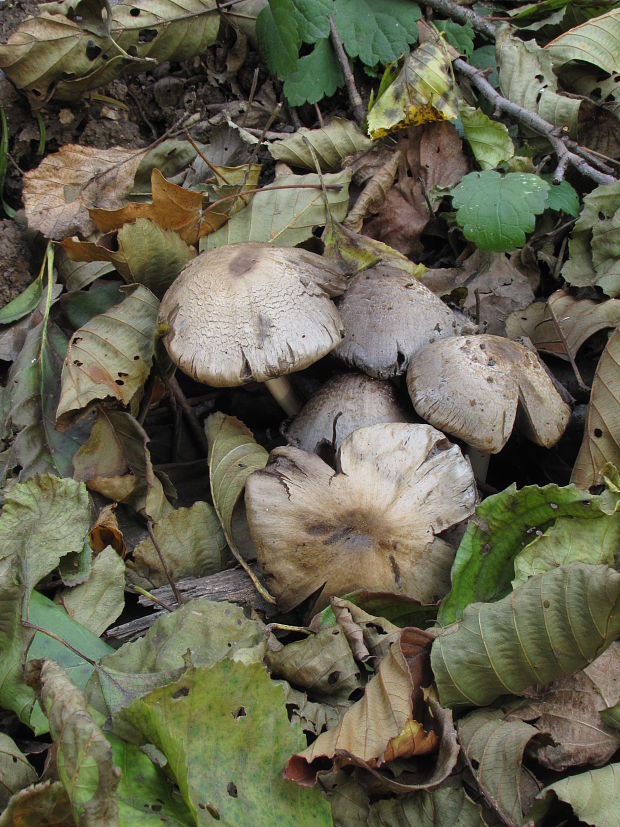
(234, 454)
(594, 246)
(312, 18)
(494, 750)
(197, 725)
(98, 602)
(503, 525)
(551, 626)
(597, 41)
(448, 805)
(497, 211)
(15, 769)
(145, 796)
(489, 140)
(154, 256)
(377, 31)
(562, 197)
(80, 306)
(110, 356)
(191, 541)
(460, 37)
(317, 76)
(286, 217)
(570, 540)
(24, 303)
(331, 144)
(594, 795)
(278, 36)
(83, 756)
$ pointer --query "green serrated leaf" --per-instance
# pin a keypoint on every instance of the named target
(489, 140)
(196, 724)
(553, 625)
(562, 197)
(312, 18)
(317, 76)
(377, 31)
(497, 211)
(278, 37)
(460, 37)
(503, 525)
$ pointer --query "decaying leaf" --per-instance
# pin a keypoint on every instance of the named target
(15, 769)
(601, 441)
(110, 356)
(593, 795)
(191, 541)
(44, 803)
(422, 92)
(97, 603)
(59, 192)
(596, 41)
(331, 144)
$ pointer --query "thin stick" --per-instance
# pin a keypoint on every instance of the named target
(201, 154)
(462, 15)
(250, 97)
(192, 419)
(152, 598)
(355, 99)
(533, 121)
(57, 638)
(177, 594)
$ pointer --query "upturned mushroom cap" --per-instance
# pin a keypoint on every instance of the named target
(251, 312)
(371, 524)
(388, 316)
(347, 402)
(471, 387)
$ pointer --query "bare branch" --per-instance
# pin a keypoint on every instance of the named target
(354, 96)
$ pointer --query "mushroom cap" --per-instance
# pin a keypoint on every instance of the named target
(471, 386)
(345, 403)
(250, 312)
(388, 316)
(371, 524)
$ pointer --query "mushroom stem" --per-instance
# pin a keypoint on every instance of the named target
(281, 390)
(479, 461)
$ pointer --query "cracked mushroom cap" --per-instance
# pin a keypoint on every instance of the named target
(371, 524)
(347, 402)
(388, 316)
(472, 386)
(251, 312)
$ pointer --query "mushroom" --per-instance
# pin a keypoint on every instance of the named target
(388, 316)
(372, 523)
(472, 386)
(345, 403)
(252, 312)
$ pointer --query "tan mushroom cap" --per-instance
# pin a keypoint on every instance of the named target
(471, 387)
(345, 403)
(371, 524)
(251, 312)
(388, 316)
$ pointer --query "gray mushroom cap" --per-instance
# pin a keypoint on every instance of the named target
(371, 524)
(472, 386)
(388, 316)
(345, 403)
(251, 312)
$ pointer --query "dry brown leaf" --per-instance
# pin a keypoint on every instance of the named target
(106, 532)
(568, 711)
(431, 156)
(60, 191)
(501, 287)
(372, 198)
(601, 441)
(577, 320)
(392, 701)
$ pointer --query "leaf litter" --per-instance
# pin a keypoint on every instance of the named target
(461, 669)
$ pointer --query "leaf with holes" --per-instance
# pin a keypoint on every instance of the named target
(110, 357)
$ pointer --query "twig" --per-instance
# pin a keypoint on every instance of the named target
(250, 97)
(143, 114)
(354, 96)
(59, 639)
(192, 419)
(266, 135)
(177, 594)
(201, 155)
(139, 590)
(463, 15)
(533, 121)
